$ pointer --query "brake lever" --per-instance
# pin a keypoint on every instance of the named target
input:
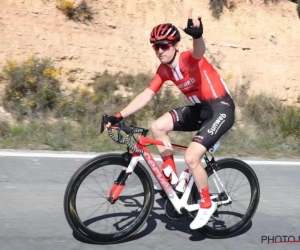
(120, 137)
(126, 129)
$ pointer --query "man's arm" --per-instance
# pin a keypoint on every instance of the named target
(140, 101)
(195, 29)
(146, 96)
(198, 48)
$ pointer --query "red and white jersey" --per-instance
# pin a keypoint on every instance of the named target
(197, 79)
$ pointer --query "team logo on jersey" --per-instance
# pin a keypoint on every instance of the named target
(217, 124)
(225, 103)
(188, 83)
(210, 85)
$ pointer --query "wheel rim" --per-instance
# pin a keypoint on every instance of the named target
(95, 214)
(239, 190)
(231, 220)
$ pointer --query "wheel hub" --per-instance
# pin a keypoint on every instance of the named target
(111, 200)
(223, 197)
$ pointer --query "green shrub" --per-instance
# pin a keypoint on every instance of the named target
(216, 6)
(32, 88)
(81, 12)
(273, 116)
(289, 121)
(56, 136)
(85, 104)
(267, 126)
(232, 6)
(294, 1)
(4, 128)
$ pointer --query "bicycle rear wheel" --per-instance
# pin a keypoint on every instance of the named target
(88, 209)
(242, 186)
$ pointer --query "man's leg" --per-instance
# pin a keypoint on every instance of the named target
(201, 142)
(160, 129)
(193, 156)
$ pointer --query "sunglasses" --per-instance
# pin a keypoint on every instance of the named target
(163, 46)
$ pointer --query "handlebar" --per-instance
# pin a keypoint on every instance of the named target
(129, 131)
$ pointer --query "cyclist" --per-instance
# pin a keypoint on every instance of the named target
(211, 112)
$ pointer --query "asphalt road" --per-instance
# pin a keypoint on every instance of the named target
(32, 216)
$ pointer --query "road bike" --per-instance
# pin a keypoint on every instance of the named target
(111, 196)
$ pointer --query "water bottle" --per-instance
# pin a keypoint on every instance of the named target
(214, 147)
(183, 180)
(168, 171)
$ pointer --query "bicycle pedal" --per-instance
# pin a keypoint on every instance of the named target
(184, 211)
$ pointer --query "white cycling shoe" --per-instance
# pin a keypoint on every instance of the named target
(203, 216)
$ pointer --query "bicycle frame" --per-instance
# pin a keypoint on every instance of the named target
(177, 202)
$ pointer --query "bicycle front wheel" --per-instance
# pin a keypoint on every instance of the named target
(90, 212)
(234, 184)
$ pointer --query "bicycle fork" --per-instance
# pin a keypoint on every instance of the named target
(123, 177)
(211, 164)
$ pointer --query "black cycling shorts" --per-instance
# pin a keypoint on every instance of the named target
(211, 121)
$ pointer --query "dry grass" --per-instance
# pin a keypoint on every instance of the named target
(264, 126)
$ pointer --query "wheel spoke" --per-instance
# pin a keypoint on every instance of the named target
(239, 182)
(93, 215)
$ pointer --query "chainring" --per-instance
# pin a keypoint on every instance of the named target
(171, 213)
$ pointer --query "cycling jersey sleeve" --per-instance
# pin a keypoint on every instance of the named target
(157, 80)
(189, 61)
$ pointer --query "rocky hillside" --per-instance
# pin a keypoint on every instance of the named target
(256, 43)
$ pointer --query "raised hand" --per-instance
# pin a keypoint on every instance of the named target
(194, 26)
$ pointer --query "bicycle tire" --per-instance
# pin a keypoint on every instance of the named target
(71, 192)
(244, 168)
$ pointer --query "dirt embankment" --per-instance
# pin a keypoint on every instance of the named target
(256, 43)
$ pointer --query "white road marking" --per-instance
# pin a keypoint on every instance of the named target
(75, 155)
